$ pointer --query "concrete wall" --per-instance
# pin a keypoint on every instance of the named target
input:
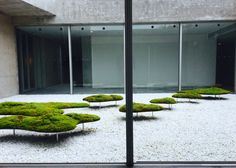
(8, 58)
(112, 11)
(155, 61)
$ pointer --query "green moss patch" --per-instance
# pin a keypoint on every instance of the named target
(61, 105)
(207, 91)
(187, 95)
(46, 123)
(42, 117)
(140, 107)
(36, 109)
(84, 118)
(103, 98)
(212, 91)
(166, 100)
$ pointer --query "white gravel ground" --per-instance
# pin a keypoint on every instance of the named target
(190, 132)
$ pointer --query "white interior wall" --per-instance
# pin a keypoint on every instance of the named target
(107, 62)
(155, 60)
(86, 61)
(199, 60)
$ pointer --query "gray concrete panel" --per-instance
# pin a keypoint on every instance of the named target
(8, 58)
(112, 11)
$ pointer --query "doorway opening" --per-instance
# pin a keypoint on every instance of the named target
(225, 61)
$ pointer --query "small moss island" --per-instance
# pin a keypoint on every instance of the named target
(37, 109)
(103, 98)
(140, 107)
(43, 117)
(187, 95)
(207, 91)
(166, 100)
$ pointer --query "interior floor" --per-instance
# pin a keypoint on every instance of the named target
(65, 89)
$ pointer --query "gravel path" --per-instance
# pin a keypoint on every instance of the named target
(203, 131)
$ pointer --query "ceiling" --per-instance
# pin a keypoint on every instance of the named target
(21, 8)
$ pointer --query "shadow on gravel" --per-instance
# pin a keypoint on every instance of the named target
(102, 107)
(187, 101)
(203, 98)
(213, 98)
(142, 118)
(44, 140)
(168, 109)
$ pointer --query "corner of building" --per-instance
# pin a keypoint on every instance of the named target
(8, 64)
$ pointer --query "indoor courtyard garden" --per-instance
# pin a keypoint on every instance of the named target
(167, 126)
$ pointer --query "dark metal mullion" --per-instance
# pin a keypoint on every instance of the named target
(180, 56)
(128, 82)
(70, 59)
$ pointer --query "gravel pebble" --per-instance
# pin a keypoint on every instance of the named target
(202, 131)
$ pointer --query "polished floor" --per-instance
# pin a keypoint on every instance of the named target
(65, 89)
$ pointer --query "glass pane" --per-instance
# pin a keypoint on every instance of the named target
(98, 59)
(193, 125)
(45, 59)
(98, 68)
(202, 64)
(155, 76)
(155, 58)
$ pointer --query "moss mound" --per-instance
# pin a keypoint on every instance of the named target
(187, 95)
(140, 107)
(46, 123)
(166, 100)
(207, 91)
(212, 91)
(36, 109)
(42, 117)
(103, 98)
(84, 118)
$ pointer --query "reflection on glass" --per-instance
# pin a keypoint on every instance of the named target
(155, 57)
(200, 54)
(192, 129)
(98, 59)
(43, 59)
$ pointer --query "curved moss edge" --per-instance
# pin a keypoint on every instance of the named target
(49, 123)
(103, 98)
(37, 109)
(166, 100)
(207, 91)
(188, 95)
(84, 118)
(212, 91)
(140, 107)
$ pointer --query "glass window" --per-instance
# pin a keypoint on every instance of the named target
(44, 57)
